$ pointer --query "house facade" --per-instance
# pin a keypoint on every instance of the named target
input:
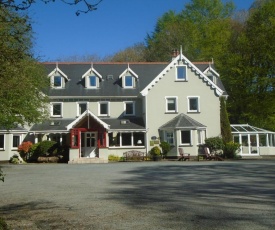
(111, 108)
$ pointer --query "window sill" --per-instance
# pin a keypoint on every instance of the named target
(127, 147)
(171, 112)
(193, 112)
(179, 80)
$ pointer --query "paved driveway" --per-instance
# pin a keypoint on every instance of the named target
(148, 195)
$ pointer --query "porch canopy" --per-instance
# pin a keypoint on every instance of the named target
(253, 140)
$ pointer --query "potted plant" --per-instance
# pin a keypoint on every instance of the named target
(155, 153)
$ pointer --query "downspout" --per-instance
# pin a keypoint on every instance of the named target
(146, 126)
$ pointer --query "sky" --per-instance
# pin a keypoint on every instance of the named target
(115, 25)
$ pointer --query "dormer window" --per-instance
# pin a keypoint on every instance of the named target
(211, 74)
(58, 78)
(92, 78)
(129, 78)
(181, 73)
(57, 81)
(93, 81)
(128, 82)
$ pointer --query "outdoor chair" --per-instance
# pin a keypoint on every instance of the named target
(208, 155)
(183, 156)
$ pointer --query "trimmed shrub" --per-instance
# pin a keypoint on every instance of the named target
(14, 159)
(112, 157)
(155, 151)
(231, 149)
(214, 143)
(42, 149)
(165, 146)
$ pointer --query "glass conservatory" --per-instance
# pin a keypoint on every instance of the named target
(254, 141)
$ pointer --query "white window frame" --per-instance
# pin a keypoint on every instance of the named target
(52, 105)
(198, 104)
(181, 79)
(124, 82)
(134, 109)
(191, 141)
(176, 104)
(12, 143)
(108, 108)
(133, 145)
(166, 139)
(87, 83)
(62, 82)
(4, 140)
(78, 106)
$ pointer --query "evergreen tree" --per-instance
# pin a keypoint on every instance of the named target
(225, 124)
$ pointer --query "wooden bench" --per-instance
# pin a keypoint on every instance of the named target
(133, 155)
(183, 156)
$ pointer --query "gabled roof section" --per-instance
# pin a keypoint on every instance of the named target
(190, 65)
(129, 70)
(57, 70)
(211, 70)
(83, 115)
(182, 121)
(90, 71)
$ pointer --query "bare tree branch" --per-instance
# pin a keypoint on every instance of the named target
(90, 5)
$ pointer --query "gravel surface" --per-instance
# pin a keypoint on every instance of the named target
(147, 195)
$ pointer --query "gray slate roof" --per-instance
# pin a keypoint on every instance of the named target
(14, 129)
(52, 125)
(59, 125)
(182, 121)
(75, 87)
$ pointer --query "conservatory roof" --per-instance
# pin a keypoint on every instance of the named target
(246, 128)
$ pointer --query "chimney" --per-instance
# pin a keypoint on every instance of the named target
(175, 53)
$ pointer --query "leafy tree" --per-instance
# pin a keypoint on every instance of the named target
(202, 28)
(90, 5)
(249, 68)
(135, 53)
(22, 78)
(225, 124)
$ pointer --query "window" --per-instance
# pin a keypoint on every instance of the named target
(56, 110)
(193, 104)
(171, 104)
(181, 73)
(2, 141)
(126, 139)
(81, 107)
(169, 137)
(16, 140)
(128, 82)
(117, 139)
(186, 137)
(103, 108)
(129, 108)
(92, 81)
(57, 81)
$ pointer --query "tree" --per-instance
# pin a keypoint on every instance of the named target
(90, 5)
(135, 53)
(225, 124)
(249, 69)
(22, 78)
(202, 28)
